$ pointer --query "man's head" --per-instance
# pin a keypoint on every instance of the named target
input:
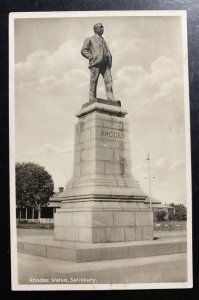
(98, 29)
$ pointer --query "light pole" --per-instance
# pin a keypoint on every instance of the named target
(149, 180)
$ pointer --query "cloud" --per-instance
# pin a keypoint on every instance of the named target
(140, 169)
(163, 68)
(48, 82)
(164, 164)
(162, 79)
(135, 50)
(177, 165)
(170, 90)
(45, 150)
(37, 57)
(41, 64)
(154, 98)
(32, 69)
(74, 79)
(160, 166)
(57, 161)
(130, 77)
(167, 180)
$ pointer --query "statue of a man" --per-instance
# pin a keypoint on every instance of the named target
(97, 51)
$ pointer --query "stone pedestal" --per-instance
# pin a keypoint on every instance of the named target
(102, 202)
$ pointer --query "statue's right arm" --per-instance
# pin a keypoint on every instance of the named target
(85, 51)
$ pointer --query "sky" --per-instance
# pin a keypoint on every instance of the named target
(52, 82)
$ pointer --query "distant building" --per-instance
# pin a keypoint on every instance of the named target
(47, 213)
(157, 206)
(54, 203)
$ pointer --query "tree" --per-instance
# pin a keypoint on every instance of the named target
(34, 186)
(160, 215)
(180, 213)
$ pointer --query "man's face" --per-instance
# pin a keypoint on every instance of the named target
(99, 29)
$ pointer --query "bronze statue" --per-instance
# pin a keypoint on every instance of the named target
(97, 51)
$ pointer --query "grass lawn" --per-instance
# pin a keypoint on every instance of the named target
(158, 226)
(35, 226)
(170, 225)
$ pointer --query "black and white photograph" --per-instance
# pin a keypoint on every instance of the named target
(100, 162)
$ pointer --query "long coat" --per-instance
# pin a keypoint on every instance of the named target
(93, 50)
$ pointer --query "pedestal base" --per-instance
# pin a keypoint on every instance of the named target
(102, 202)
(103, 221)
(46, 246)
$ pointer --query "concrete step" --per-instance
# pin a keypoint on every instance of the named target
(85, 252)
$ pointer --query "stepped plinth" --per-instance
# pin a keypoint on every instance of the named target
(102, 202)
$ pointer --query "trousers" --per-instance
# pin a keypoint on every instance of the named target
(94, 75)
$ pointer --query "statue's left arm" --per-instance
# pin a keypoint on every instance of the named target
(109, 54)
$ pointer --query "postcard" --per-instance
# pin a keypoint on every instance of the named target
(100, 163)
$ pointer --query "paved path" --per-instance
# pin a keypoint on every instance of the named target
(164, 268)
(156, 269)
(49, 232)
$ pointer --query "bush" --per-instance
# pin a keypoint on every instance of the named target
(160, 215)
(180, 213)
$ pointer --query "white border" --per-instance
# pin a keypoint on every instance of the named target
(13, 229)
(124, 13)
(188, 150)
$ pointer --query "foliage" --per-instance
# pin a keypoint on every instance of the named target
(160, 215)
(180, 212)
(34, 185)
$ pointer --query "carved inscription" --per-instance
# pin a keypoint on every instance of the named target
(112, 134)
